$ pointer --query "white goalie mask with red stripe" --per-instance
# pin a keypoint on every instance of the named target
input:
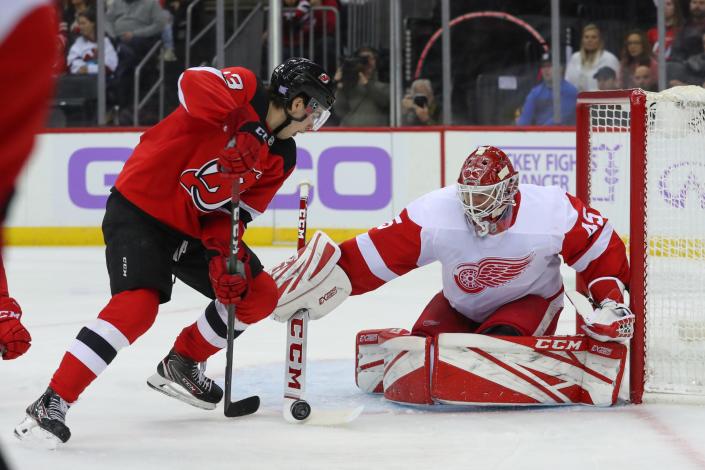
(487, 185)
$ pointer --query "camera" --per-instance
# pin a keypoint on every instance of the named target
(421, 101)
(351, 69)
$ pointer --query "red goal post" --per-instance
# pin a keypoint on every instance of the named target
(641, 162)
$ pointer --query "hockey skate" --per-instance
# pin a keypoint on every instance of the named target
(45, 421)
(183, 379)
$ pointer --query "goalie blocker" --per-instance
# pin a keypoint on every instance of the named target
(472, 369)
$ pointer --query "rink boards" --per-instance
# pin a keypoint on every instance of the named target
(360, 178)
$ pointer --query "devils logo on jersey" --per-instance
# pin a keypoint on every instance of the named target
(473, 278)
(205, 185)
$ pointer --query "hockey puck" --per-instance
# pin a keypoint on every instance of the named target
(300, 410)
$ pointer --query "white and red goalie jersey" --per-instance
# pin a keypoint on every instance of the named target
(481, 274)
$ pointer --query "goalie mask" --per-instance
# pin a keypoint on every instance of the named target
(486, 187)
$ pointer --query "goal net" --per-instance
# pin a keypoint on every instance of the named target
(641, 162)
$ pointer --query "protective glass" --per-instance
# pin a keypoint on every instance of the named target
(318, 112)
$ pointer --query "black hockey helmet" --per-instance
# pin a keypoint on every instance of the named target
(297, 76)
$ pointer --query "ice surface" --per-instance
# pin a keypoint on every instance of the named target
(119, 423)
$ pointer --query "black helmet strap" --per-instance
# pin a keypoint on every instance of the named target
(287, 121)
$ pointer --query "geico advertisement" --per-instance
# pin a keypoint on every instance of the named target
(358, 180)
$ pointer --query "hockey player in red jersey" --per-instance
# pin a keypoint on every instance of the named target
(500, 246)
(169, 214)
(27, 52)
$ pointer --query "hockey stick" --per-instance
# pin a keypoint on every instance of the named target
(580, 302)
(248, 405)
(295, 408)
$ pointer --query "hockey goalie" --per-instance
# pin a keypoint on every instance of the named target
(488, 337)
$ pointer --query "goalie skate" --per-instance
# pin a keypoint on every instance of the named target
(183, 379)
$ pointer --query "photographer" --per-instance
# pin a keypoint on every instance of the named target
(419, 106)
(361, 100)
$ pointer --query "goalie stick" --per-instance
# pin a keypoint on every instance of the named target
(249, 405)
(295, 408)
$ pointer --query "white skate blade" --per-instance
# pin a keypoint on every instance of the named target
(167, 387)
(29, 431)
(326, 417)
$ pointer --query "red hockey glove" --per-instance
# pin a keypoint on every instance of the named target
(228, 288)
(242, 154)
(14, 338)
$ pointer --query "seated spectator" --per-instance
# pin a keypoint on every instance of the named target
(636, 52)
(361, 99)
(324, 21)
(295, 26)
(538, 106)
(688, 40)
(83, 55)
(591, 57)
(643, 78)
(673, 14)
(693, 69)
(78, 7)
(606, 79)
(419, 107)
(135, 25)
(168, 52)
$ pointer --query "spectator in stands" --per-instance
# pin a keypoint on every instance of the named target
(419, 106)
(296, 22)
(686, 45)
(136, 26)
(78, 7)
(296, 28)
(643, 78)
(361, 99)
(606, 79)
(83, 55)
(538, 106)
(324, 21)
(688, 41)
(673, 14)
(589, 59)
(635, 52)
(168, 52)
(694, 69)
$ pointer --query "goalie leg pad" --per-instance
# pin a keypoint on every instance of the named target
(527, 370)
(407, 371)
(471, 369)
(369, 357)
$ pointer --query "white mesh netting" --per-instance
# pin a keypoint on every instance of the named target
(675, 224)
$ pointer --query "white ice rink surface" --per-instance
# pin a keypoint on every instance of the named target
(119, 423)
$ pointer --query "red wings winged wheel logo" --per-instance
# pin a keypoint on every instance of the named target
(473, 278)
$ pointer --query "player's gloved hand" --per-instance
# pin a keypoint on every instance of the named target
(611, 322)
(242, 152)
(14, 338)
(229, 288)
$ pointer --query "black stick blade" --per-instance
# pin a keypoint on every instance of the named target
(243, 407)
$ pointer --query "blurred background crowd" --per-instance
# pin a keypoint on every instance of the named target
(501, 64)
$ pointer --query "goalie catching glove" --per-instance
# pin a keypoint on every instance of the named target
(611, 322)
(311, 280)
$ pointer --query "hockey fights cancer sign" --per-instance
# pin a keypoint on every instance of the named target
(359, 179)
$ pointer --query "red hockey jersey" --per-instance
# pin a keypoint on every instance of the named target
(480, 274)
(172, 174)
(28, 33)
